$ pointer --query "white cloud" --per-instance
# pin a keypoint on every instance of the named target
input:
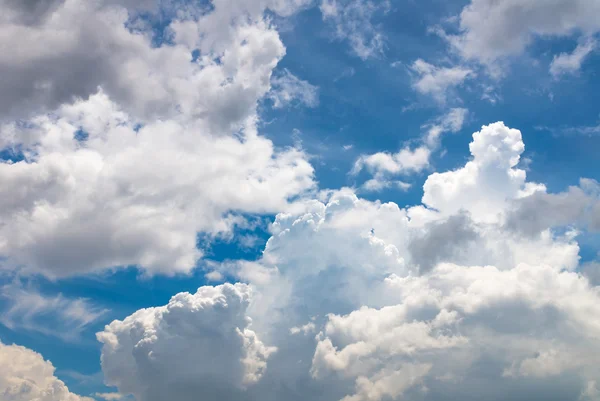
(27, 309)
(110, 396)
(130, 148)
(353, 21)
(491, 30)
(82, 45)
(399, 297)
(133, 196)
(26, 376)
(384, 165)
(485, 183)
(458, 314)
(452, 121)
(288, 88)
(570, 63)
(438, 81)
(196, 344)
(161, 149)
(405, 161)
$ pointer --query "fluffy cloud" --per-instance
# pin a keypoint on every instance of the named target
(369, 301)
(485, 183)
(438, 81)
(69, 48)
(464, 314)
(26, 376)
(383, 165)
(196, 344)
(577, 207)
(160, 144)
(96, 189)
(491, 29)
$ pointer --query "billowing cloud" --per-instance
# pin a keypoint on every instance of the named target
(366, 300)
(198, 343)
(491, 30)
(96, 189)
(153, 143)
(66, 49)
(26, 376)
(527, 322)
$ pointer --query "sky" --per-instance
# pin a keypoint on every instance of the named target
(334, 200)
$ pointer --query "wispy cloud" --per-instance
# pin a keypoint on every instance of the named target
(54, 315)
(437, 81)
(570, 63)
(288, 89)
(353, 21)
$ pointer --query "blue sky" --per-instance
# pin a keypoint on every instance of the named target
(283, 116)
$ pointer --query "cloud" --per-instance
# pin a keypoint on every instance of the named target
(457, 315)
(132, 195)
(491, 30)
(405, 161)
(438, 301)
(384, 165)
(438, 81)
(484, 184)
(353, 21)
(570, 63)
(576, 207)
(110, 396)
(28, 309)
(26, 376)
(114, 49)
(452, 121)
(287, 88)
(196, 344)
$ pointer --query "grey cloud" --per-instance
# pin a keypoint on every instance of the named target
(440, 241)
(541, 210)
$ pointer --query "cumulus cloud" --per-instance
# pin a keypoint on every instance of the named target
(576, 207)
(437, 82)
(198, 343)
(485, 183)
(288, 88)
(491, 30)
(145, 145)
(126, 194)
(353, 21)
(370, 301)
(460, 315)
(26, 376)
(69, 48)
(570, 63)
